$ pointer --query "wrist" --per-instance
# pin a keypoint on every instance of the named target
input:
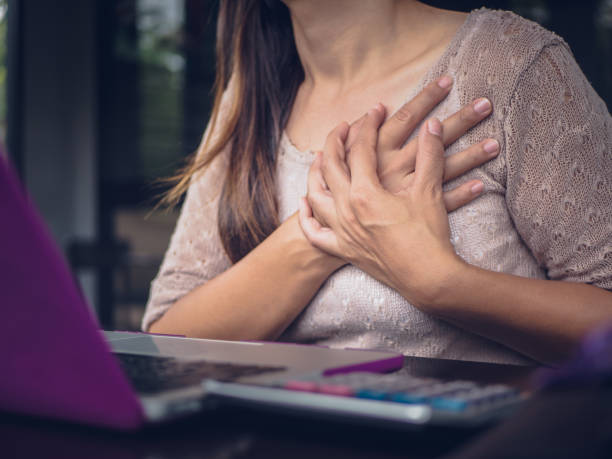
(308, 258)
(456, 280)
(440, 285)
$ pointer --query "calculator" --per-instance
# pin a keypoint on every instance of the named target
(395, 398)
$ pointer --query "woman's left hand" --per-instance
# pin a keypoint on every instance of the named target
(400, 238)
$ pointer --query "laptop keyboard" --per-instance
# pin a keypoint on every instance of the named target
(150, 374)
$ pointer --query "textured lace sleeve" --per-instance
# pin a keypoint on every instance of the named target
(558, 136)
(195, 253)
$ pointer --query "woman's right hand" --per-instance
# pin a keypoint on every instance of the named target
(396, 158)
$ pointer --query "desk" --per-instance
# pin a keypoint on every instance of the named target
(234, 432)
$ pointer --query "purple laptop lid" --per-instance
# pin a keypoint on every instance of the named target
(53, 358)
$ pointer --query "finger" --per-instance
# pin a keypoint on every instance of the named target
(333, 167)
(462, 195)
(429, 167)
(353, 131)
(319, 198)
(315, 181)
(362, 158)
(321, 237)
(462, 121)
(459, 163)
(398, 128)
(453, 127)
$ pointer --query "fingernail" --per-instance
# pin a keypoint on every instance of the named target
(434, 127)
(491, 147)
(376, 109)
(445, 82)
(477, 188)
(482, 106)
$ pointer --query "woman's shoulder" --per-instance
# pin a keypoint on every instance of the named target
(509, 25)
(506, 35)
(494, 48)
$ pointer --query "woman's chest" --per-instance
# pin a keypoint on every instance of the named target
(315, 113)
(353, 303)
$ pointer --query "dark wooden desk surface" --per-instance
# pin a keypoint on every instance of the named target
(234, 432)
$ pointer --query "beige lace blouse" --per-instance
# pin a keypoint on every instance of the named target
(545, 213)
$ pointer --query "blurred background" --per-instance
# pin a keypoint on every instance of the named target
(98, 98)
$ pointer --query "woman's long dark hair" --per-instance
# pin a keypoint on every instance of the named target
(256, 49)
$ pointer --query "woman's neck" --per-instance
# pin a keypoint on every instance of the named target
(339, 41)
(356, 53)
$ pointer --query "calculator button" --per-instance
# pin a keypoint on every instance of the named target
(302, 386)
(336, 389)
(407, 397)
(372, 394)
(449, 404)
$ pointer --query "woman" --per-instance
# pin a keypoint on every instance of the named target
(234, 271)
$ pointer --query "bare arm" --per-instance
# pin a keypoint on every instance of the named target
(258, 297)
(536, 317)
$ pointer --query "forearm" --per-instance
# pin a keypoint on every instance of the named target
(543, 319)
(259, 296)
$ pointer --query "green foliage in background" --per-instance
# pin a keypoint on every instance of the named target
(160, 52)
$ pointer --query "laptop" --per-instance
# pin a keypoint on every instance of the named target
(58, 364)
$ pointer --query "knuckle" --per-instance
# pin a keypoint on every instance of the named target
(432, 190)
(360, 200)
(404, 115)
(350, 218)
(388, 171)
(314, 199)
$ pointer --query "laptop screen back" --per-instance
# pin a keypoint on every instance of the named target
(55, 362)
